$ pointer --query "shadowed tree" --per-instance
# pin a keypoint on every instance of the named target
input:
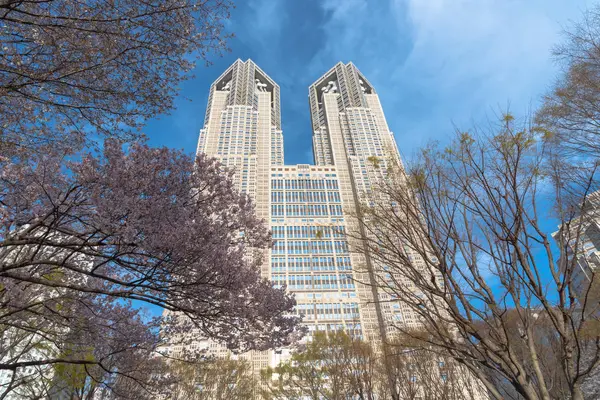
(330, 366)
(463, 239)
(571, 111)
(422, 372)
(301, 377)
(69, 69)
(81, 239)
(336, 366)
(213, 379)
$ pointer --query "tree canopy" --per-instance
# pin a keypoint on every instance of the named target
(72, 69)
(148, 225)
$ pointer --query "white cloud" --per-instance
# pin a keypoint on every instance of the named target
(503, 45)
(438, 61)
(264, 23)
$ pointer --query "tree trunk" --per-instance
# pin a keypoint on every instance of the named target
(577, 393)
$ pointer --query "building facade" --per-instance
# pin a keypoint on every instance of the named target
(310, 208)
(580, 240)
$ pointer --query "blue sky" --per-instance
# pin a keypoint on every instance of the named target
(434, 63)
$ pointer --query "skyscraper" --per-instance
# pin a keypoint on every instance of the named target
(580, 239)
(350, 131)
(310, 208)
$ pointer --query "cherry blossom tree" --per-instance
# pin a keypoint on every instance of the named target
(81, 239)
(80, 346)
(69, 69)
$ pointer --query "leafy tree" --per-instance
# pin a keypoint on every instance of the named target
(421, 373)
(80, 346)
(299, 378)
(213, 379)
(336, 366)
(69, 69)
(80, 240)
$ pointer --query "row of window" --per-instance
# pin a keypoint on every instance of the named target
(334, 311)
(306, 264)
(314, 282)
(325, 295)
(237, 116)
(306, 232)
(353, 329)
(239, 132)
(295, 184)
(305, 197)
(310, 247)
(308, 210)
(229, 150)
(308, 175)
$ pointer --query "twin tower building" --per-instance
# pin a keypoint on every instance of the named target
(311, 209)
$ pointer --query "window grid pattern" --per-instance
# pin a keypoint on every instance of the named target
(310, 255)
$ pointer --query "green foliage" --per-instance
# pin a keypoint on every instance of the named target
(55, 275)
(510, 142)
(374, 160)
(508, 118)
(337, 366)
(466, 139)
(417, 178)
(214, 379)
(74, 376)
(546, 134)
(331, 366)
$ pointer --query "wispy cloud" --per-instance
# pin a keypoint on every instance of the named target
(441, 61)
(264, 22)
(433, 62)
(361, 31)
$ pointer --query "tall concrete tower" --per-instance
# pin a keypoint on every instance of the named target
(309, 208)
(350, 131)
(242, 128)
(312, 210)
